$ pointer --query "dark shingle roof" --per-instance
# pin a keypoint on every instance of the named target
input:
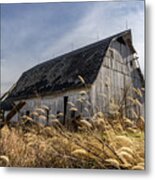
(61, 73)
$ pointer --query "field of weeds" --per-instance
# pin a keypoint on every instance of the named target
(97, 144)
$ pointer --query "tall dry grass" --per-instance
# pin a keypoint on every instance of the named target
(98, 143)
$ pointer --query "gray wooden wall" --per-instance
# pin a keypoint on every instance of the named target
(115, 85)
(78, 100)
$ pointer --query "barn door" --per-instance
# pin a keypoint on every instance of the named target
(65, 109)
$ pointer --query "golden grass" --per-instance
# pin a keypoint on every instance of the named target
(100, 143)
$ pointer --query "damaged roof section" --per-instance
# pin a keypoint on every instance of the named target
(61, 73)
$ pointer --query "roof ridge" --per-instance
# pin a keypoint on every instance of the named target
(79, 49)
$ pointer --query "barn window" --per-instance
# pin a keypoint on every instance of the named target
(111, 59)
(131, 63)
(111, 54)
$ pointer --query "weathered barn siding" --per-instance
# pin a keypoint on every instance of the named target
(76, 98)
(114, 83)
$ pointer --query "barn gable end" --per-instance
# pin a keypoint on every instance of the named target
(117, 79)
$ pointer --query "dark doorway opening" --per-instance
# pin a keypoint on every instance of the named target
(65, 108)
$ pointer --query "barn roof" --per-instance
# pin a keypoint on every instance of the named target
(61, 73)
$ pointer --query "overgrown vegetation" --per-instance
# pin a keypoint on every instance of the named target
(98, 143)
(39, 139)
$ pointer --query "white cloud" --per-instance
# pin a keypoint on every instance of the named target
(100, 21)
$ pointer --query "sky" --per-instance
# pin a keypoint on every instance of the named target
(32, 33)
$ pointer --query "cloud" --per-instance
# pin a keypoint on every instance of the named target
(34, 34)
(100, 22)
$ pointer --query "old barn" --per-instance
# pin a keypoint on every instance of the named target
(104, 76)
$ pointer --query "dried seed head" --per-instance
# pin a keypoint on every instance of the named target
(138, 167)
(125, 149)
(73, 109)
(85, 123)
(71, 104)
(137, 102)
(113, 162)
(41, 110)
(35, 113)
(126, 157)
(52, 116)
(45, 107)
(79, 151)
(81, 79)
(4, 161)
(82, 93)
(42, 117)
